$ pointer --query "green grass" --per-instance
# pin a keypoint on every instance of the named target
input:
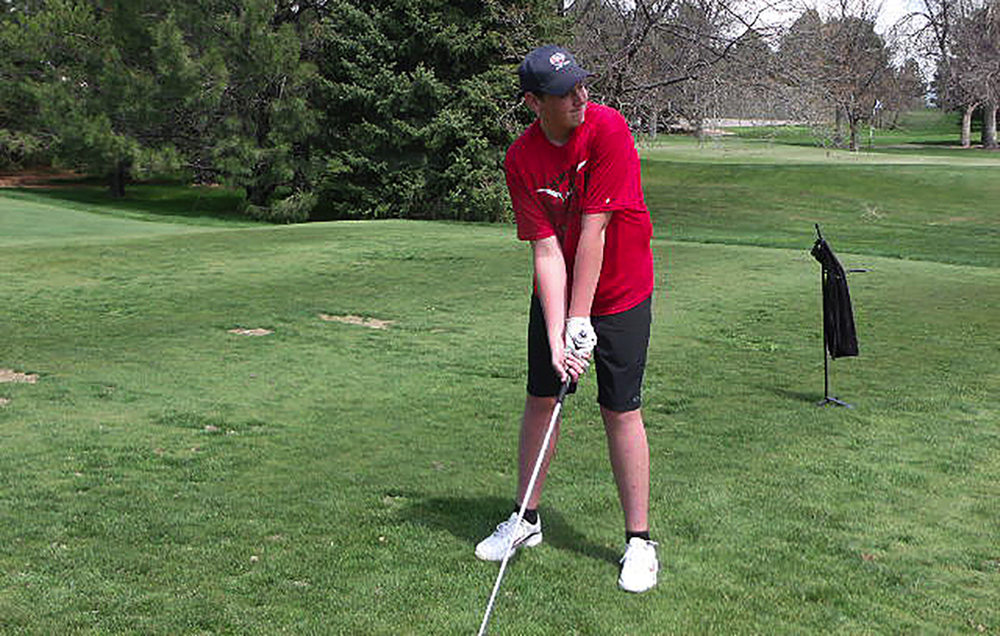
(36, 216)
(164, 476)
(925, 129)
(753, 192)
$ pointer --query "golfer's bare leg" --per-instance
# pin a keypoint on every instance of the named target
(629, 453)
(534, 424)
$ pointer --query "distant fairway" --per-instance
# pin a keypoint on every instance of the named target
(53, 215)
(938, 207)
(27, 221)
(165, 476)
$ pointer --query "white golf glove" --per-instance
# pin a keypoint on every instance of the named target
(580, 337)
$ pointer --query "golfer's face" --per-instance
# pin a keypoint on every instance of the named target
(565, 112)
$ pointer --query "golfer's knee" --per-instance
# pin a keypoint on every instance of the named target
(619, 419)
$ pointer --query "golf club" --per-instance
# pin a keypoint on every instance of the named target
(524, 503)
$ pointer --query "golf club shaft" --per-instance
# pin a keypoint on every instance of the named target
(524, 501)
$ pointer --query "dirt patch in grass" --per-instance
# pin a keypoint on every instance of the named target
(38, 179)
(953, 219)
(9, 375)
(251, 332)
(371, 323)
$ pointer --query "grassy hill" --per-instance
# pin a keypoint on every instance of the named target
(163, 475)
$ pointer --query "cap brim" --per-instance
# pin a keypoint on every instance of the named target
(564, 82)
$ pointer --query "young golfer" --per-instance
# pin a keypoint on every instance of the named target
(574, 180)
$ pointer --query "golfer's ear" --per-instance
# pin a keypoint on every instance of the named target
(533, 102)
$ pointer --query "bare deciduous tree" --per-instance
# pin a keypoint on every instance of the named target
(963, 38)
(839, 66)
(975, 68)
(929, 32)
(664, 57)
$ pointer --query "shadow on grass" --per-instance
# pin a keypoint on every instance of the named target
(153, 200)
(799, 396)
(470, 520)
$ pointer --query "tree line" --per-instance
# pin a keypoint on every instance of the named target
(687, 62)
(963, 39)
(325, 109)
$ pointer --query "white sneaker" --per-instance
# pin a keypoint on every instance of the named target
(639, 566)
(493, 547)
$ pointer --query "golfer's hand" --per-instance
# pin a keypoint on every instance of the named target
(580, 337)
(567, 366)
(578, 344)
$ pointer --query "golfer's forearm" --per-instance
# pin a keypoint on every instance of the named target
(587, 267)
(550, 275)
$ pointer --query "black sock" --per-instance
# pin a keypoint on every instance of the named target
(530, 514)
(644, 535)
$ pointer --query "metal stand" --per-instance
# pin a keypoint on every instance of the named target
(827, 398)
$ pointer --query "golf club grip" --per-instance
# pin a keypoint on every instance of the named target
(563, 390)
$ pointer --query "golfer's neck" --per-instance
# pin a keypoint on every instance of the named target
(557, 135)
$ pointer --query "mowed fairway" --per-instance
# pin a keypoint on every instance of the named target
(166, 476)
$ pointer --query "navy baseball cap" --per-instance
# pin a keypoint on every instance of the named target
(550, 69)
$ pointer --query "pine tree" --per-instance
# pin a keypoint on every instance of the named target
(422, 96)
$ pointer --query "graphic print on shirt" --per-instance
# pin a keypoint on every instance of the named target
(560, 197)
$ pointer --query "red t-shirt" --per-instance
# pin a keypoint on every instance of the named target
(597, 170)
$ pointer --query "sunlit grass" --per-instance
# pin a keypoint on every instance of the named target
(165, 476)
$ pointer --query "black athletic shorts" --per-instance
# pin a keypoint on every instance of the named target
(619, 358)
